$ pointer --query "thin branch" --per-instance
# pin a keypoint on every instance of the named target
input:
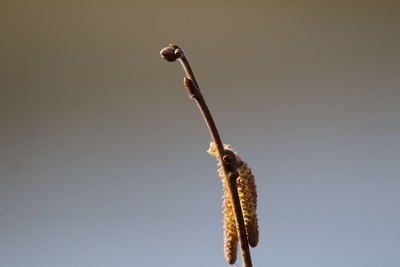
(226, 157)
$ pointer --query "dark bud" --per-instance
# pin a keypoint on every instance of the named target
(190, 87)
(168, 54)
(171, 53)
(229, 160)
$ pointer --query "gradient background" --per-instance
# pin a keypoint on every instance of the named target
(103, 157)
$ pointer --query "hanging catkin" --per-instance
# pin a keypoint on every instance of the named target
(248, 200)
(230, 231)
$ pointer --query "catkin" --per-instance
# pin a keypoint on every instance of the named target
(248, 200)
(230, 232)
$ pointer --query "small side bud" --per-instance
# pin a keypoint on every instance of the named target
(229, 159)
(190, 87)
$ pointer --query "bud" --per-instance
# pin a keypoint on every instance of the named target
(190, 87)
(171, 53)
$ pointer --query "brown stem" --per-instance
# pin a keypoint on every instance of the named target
(226, 157)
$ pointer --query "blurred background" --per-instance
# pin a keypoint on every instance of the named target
(103, 157)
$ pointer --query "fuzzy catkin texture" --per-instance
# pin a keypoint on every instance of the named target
(248, 201)
(230, 232)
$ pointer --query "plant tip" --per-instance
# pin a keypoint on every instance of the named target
(171, 53)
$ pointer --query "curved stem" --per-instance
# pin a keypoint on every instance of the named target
(188, 69)
(195, 93)
(228, 161)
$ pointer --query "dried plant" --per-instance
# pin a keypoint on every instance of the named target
(240, 197)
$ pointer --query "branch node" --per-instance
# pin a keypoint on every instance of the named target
(190, 87)
(229, 160)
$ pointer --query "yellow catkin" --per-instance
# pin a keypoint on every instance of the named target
(248, 200)
(230, 232)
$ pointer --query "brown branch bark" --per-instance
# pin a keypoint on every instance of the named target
(226, 157)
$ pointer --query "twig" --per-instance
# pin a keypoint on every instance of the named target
(226, 157)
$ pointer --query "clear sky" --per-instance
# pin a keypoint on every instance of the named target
(103, 157)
